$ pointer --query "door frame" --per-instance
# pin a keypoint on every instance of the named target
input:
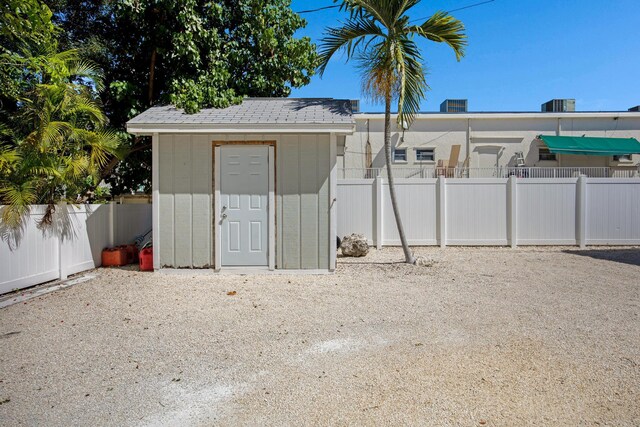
(271, 202)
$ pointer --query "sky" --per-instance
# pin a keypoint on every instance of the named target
(521, 53)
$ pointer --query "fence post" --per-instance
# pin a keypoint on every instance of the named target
(512, 211)
(62, 259)
(581, 211)
(378, 216)
(112, 223)
(441, 211)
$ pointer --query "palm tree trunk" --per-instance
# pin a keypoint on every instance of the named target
(408, 255)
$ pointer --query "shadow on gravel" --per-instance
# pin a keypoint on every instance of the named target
(624, 256)
(372, 262)
(356, 260)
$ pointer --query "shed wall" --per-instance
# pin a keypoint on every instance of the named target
(302, 197)
(186, 201)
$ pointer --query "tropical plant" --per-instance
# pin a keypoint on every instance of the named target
(53, 136)
(380, 36)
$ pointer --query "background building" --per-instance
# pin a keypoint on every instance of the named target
(488, 140)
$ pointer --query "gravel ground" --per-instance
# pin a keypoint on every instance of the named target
(486, 336)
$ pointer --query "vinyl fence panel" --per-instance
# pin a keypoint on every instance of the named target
(71, 244)
(476, 211)
(613, 211)
(356, 207)
(87, 233)
(546, 211)
(33, 257)
(417, 204)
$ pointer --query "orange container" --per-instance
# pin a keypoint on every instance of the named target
(114, 257)
(132, 253)
(146, 259)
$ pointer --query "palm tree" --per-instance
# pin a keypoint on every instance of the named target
(56, 144)
(381, 37)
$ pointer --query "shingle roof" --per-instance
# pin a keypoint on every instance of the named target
(290, 111)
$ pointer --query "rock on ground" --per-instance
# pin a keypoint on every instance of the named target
(354, 245)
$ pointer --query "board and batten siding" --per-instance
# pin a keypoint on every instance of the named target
(302, 199)
(185, 201)
(303, 166)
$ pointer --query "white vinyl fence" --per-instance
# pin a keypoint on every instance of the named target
(494, 211)
(73, 243)
(495, 172)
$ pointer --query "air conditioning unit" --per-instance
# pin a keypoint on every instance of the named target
(559, 106)
(355, 106)
(454, 106)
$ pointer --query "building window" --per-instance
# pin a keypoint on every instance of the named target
(622, 158)
(400, 155)
(545, 155)
(425, 155)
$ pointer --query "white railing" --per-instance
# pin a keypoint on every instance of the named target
(493, 211)
(498, 172)
(73, 243)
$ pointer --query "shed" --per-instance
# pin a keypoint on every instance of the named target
(251, 186)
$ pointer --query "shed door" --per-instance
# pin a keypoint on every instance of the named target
(244, 195)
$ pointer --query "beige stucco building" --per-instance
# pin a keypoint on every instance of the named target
(484, 140)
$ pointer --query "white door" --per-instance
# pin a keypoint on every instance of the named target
(244, 195)
(487, 162)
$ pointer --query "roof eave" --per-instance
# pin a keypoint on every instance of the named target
(507, 115)
(151, 128)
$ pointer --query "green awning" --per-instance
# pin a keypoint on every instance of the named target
(591, 146)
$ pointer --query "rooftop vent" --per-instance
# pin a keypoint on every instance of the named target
(559, 106)
(355, 106)
(635, 109)
(454, 106)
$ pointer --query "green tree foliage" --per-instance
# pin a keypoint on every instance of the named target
(193, 54)
(26, 32)
(380, 36)
(54, 143)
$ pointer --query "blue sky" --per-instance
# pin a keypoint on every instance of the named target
(520, 54)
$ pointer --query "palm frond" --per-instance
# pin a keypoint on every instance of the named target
(443, 28)
(87, 70)
(46, 171)
(17, 198)
(86, 108)
(379, 79)
(403, 7)
(8, 157)
(50, 134)
(353, 32)
(75, 166)
(412, 82)
(102, 146)
(379, 10)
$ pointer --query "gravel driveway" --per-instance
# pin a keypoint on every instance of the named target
(486, 336)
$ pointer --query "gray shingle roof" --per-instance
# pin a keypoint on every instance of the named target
(288, 111)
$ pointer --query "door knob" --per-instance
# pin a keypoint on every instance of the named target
(224, 215)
